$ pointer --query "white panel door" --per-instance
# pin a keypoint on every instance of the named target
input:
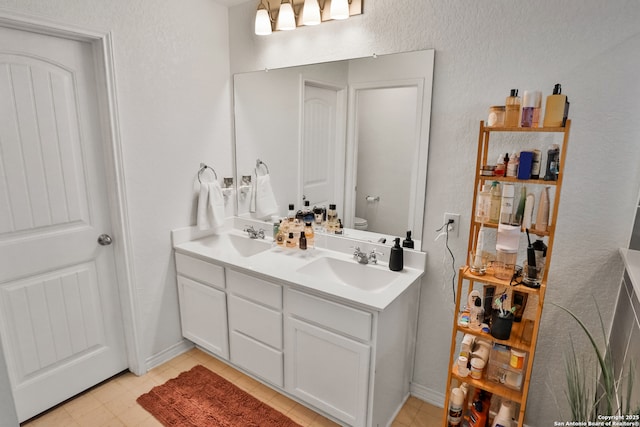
(320, 138)
(327, 370)
(203, 314)
(60, 318)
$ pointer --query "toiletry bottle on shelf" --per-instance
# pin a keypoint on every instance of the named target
(456, 403)
(528, 104)
(307, 213)
(512, 166)
(553, 163)
(310, 235)
(396, 258)
(407, 242)
(542, 217)
(302, 243)
(556, 108)
(512, 109)
(537, 106)
(500, 166)
(535, 165)
(506, 205)
(494, 212)
(477, 416)
(527, 217)
(483, 204)
(521, 205)
(476, 314)
(477, 263)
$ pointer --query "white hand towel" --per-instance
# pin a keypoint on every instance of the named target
(265, 199)
(210, 206)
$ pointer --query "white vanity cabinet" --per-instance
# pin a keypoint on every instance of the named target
(255, 326)
(328, 356)
(203, 305)
(346, 360)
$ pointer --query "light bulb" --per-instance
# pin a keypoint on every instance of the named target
(311, 12)
(286, 18)
(339, 9)
(263, 23)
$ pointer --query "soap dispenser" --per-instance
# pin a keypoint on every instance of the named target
(396, 261)
(556, 108)
(408, 243)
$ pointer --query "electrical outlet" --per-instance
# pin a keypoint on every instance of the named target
(455, 225)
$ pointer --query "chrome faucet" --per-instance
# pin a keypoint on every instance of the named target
(363, 258)
(253, 233)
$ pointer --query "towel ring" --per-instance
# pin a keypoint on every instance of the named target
(261, 163)
(204, 167)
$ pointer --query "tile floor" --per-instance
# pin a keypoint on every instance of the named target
(113, 403)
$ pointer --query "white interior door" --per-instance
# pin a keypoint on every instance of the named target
(322, 146)
(60, 318)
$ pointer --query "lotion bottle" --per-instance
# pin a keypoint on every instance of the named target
(542, 218)
(506, 207)
(556, 108)
(494, 211)
(396, 258)
(512, 112)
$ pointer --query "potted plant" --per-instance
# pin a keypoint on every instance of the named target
(591, 388)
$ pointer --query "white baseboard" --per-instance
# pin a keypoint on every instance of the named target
(168, 354)
(433, 397)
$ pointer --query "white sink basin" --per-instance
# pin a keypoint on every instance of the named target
(350, 273)
(235, 245)
(247, 247)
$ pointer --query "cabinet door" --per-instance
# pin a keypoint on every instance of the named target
(327, 370)
(203, 313)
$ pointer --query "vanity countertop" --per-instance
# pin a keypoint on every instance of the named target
(284, 265)
(631, 260)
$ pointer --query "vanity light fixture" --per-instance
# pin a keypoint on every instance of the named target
(311, 12)
(339, 9)
(287, 14)
(263, 20)
(286, 18)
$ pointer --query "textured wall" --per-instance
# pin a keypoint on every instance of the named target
(172, 72)
(482, 50)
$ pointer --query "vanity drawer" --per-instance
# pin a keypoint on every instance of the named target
(257, 358)
(348, 320)
(256, 321)
(200, 270)
(255, 289)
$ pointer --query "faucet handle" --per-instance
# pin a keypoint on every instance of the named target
(373, 256)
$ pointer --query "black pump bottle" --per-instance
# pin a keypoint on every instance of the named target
(396, 259)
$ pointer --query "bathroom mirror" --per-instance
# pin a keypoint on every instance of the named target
(354, 133)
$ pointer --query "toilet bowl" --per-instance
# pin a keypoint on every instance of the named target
(360, 223)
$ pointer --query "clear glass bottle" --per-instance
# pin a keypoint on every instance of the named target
(494, 211)
(483, 204)
(302, 242)
(332, 219)
(291, 241)
(500, 166)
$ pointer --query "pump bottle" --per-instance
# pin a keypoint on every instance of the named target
(556, 109)
(512, 112)
(396, 258)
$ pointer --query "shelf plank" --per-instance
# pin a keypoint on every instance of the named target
(490, 386)
(516, 180)
(490, 279)
(515, 340)
(560, 129)
(532, 230)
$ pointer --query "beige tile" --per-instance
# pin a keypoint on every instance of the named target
(263, 392)
(407, 414)
(150, 422)
(82, 405)
(122, 403)
(302, 415)
(281, 403)
(97, 417)
(321, 421)
(134, 415)
(432, 410)
(108, 391)
(423, 419)
(58, 417)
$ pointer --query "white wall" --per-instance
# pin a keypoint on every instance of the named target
(483, 49)
(172, 73)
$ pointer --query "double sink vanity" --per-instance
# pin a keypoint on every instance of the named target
(316, 325)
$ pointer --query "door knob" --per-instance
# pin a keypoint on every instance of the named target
(105, 240)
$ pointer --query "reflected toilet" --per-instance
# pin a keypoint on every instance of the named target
(360, 223)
